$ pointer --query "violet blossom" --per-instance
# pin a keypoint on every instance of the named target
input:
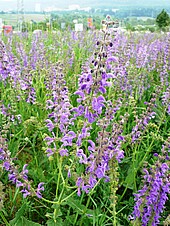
(150, 200)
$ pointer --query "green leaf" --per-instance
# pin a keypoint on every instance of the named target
(49, 215)
(89, 213)
(80, 208)
(69, 219)
(22, 221)
(129, 181)
(18, 215)
(56, 214)
(76, 205)
(51, 222)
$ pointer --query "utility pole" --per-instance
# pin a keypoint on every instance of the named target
(20, 14)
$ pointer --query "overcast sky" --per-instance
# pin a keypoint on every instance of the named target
(30, 4)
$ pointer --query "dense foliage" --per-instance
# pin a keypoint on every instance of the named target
(163, 19)
(85, 128)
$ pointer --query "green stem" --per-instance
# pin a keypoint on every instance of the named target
(59, 161)
(75, 220)
(68, 196)
(49, 201)
(58, 181)
(134, 168)
(57, 202)
(87, 204)
(123, 193)
(114, 210)
(4, 219)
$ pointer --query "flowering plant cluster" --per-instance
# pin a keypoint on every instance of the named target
(80, 114)
(151, 198)
(20, 179)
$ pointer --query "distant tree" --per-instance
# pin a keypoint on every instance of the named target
(163, 19)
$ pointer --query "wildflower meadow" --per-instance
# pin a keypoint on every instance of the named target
(85, 128)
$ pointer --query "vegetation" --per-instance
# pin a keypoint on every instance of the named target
(131, 19)
(163, 19)
(85, 128)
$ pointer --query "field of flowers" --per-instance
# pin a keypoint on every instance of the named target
(85, 129)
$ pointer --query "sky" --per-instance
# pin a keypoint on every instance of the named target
(30, 4)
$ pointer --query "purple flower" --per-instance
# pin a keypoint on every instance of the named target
(2, 154)
(168, 110)
(49, 152)
(102, 89)
(92, 164)
(25, 192)
(110, 75)
(164, 168)
(79, 140)
(150, 200)
(79, 184)
(7, 165)
(19, 184)
(119, 154)
(82, 156)
(86, 85)
(79, 181)
(24, 86)
(104, 83)
(86, 188)
(63, 152)
(85, 130)
(89, 115)
(100, 172)
(83, 134)
(50, 125)
(81, 94)
(24, 172)
(79, 110)
(92, 147)
(68, 138)
(50, 140)
(50, 104)
(69, 173)
(92, 181)
(12, 177)
(97, 104)
(39, 189)
(112, 59)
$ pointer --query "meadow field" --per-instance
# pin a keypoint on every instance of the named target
(85, 128)
(11, 19)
